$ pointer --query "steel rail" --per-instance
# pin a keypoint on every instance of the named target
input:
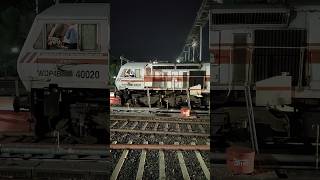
(159, 132)
(183, 147)
(164, 121)
(153, 110)
(53, 149)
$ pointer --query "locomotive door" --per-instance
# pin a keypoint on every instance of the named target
(165, 79)
(147, 77)
(157, 79)
(197, 78)
(184, 80)
(175, 82)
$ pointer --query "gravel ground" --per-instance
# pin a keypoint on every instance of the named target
(193, 165)
(155, 139)
(118, 125)
(115, 155)
(195, 128)
(130, 166)
(140, 125)
(150, 126)
(151, 168)
(173, 171)
(206, 158)
(127, 126)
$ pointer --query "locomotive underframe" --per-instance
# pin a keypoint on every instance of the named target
(79, 115)
(162, 99)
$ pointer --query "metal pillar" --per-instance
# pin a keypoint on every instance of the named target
(200, 52)
(193, 53)
(189, 53)
(185, 55)
(149, 103)
(188, 96)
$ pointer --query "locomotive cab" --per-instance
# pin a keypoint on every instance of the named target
(64, 66)
(131, 76)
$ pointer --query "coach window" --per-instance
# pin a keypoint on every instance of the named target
(89, 37)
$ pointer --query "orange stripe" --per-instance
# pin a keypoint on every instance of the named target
(151, 81)
(222, 56)
(174, 76)
(265, 88)
(72, 61)
(125, 80)
(31, 57)
(229, 44)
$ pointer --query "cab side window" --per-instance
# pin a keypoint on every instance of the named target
(71, 36)
(137, 73)
(124, 72)
(62, 36)
(89, 37)
(129, 73)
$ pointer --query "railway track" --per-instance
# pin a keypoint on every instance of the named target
(25, 146)
(160, 126)
(53, 152)
(160, 161)
(143, 110)
(165, 146)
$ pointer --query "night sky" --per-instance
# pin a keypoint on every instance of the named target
(142, 30)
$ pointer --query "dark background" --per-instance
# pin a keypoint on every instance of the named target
(141, 30)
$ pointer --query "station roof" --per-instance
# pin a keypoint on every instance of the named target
(201, 20)
(76, 11)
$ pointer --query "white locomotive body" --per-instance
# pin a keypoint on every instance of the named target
(64, 66)
(167, 82)
(271, 52)
(44, 60)
(274, 49)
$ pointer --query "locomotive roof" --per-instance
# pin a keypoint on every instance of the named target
(135, 64)
(76, 11)
(143, 64)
